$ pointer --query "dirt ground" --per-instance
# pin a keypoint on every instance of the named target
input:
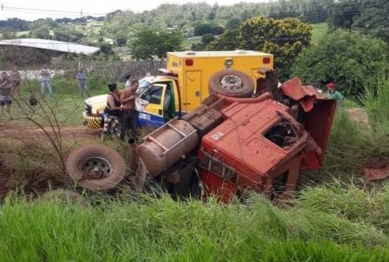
(358, 115)
(74, 132)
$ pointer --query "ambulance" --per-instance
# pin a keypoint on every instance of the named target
(187, 80)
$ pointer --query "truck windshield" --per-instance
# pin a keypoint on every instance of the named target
(143, 84)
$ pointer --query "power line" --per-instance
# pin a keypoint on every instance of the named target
(76, 13)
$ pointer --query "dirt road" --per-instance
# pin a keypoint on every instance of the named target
(21, 133)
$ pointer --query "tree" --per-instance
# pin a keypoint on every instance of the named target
(121, 38)
(48, 22)
(67, 34)
(285, 39)
(41, 32)
(348, 58)
(8, 34)
(227, 41)
(233, 23)
(149, 43)
(343, 14)
(201, 29)
(373, 19)
(205, 40)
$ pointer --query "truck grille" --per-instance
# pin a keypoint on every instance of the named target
(88, 109)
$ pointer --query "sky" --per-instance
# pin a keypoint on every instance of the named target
(35, 9)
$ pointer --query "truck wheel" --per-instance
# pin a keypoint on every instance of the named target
(231, 83)
(96, 167)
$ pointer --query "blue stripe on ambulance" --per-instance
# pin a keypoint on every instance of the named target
(146, 119)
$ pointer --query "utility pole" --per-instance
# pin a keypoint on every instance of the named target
(2, 7)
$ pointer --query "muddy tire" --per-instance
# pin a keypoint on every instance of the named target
(96, 167)
(231, 83)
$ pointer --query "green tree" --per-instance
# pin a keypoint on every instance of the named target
(205, 40)
(343, 14)
(233, 23)
(149, 43)
(67, 34)
(201, 29)
(285, 39)
(48, 22)
(41, 32)
(8, 34)
(121, 38)
(227, 41)
(349, 59)
(373, 19)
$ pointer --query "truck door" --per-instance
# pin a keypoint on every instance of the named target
(192, 90)
(153, 112)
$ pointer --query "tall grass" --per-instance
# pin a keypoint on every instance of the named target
(163, 230)
(376, 101)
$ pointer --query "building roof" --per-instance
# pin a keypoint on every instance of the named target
(52, 45)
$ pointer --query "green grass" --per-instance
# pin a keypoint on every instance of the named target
(319, 31)
(67, 105)
(191, 40)
(20, 33)
(163, 230)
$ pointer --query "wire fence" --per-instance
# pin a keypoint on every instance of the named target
(117, 70)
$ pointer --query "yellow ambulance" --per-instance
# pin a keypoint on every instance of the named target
(189, 77)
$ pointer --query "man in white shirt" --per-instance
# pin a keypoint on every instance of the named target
(45, 75)
(128, 81)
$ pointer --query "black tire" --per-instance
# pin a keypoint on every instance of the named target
(105, 161)
(245, 90)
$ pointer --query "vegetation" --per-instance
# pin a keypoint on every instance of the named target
(148, 44)
(350, 59)
(367, 16)
(162, 230)
(285, 39)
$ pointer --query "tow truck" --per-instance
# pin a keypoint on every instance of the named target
(187, 75)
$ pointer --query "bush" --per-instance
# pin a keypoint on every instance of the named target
(349, 59)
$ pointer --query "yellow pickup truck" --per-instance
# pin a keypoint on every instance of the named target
(188, 79)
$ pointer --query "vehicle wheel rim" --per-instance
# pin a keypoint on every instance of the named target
(96, 167)
(231, 82)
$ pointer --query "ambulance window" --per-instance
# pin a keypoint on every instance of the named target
(153, 95)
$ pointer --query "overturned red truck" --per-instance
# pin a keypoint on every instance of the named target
(225, 147)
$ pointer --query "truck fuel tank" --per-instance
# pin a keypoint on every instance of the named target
(165, 146)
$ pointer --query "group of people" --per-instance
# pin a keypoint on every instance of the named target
(45, 77)
(119, 113)
(9, 87)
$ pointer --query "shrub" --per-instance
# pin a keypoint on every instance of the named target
(348, 58)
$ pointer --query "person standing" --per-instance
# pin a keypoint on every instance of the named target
(333, 93)
(112, 113)
(6, 87)
(16, 81)
(45, 75)
(128, 81)
(128, 118)
(81, 78)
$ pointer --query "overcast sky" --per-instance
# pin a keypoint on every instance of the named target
(34, 9)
